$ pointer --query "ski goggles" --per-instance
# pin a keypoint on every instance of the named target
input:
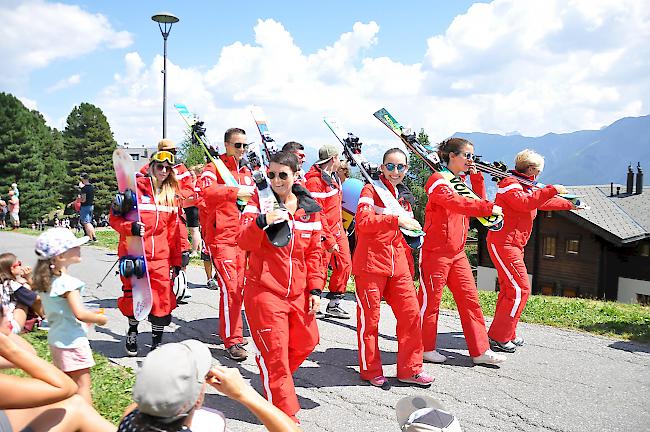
(391, 167)
(282, 175)
(163, 156)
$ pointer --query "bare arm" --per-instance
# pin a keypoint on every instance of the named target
(80, 312)
(21, 343)
(47, 385)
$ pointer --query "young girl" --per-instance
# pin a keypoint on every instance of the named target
(57, 249)
(16, 294)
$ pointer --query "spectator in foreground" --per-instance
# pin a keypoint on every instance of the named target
(44, 401)
(170, 386)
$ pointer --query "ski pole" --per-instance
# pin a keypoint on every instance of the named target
(99, 284)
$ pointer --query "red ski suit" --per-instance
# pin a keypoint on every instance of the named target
(326, 190)
(162, 243)
(381, 269)
(506, 247)
(278, 284)
(443, 261)
(220, 236)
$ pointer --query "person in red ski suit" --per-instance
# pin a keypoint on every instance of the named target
(325, 187)
(160, 227)
(299, 150)
(520, 203)
(283, 284)
(443, 260)
(220, 237)
(381, 269)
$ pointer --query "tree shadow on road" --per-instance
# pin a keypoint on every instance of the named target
(631, 347)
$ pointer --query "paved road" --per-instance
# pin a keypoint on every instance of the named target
(561, 381)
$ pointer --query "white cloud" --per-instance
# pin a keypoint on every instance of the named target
(35, 33)
(535, 66)
(68, 82)
(29, 103)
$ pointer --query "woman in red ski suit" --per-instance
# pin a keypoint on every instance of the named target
(443, 260)
(381, 269)
(520, 203)
(283, 284)
(163, 237)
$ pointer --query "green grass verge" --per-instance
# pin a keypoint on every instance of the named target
(111, 384)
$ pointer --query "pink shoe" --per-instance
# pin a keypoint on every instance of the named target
(379, 381)
(422, 379)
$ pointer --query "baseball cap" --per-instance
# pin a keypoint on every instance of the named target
(327, 152)
(424, 414)
(166, 144)
(84, 175)
(171, 378)
(55, 241)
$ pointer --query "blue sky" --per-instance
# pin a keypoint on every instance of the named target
(532, 66)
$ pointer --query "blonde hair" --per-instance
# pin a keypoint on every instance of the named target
(528, 158)
(165, 193)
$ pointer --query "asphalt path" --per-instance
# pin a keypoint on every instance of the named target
(560, 381)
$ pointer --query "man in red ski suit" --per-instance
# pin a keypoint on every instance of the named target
(325, 187)
(520, 203)
(221, 237)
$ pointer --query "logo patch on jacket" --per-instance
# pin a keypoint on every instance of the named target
(146, 199)
(305, 218)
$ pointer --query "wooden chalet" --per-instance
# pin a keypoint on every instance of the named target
(603, 252)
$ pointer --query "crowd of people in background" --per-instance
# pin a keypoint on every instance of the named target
(279, 281)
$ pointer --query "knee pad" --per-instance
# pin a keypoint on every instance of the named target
(133, 266)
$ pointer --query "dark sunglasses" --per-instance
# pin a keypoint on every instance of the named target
(467, 155)
(283, 175)
(160, 166)
(391, 167)
(240, 145)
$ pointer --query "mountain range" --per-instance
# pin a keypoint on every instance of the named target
(586, 157)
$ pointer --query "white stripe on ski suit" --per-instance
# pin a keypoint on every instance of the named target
(324, 194)
(513, 312)
(509, 187)
(226, 308)
(160, 208)
(436, 184)
(364, 364)
(260, 363)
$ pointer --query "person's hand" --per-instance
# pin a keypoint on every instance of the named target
(314, 304)
(472, 167)
(560, 189)
(7, 345)
(497, 210)
(244, 194)
(102, 319)
(408, 223)
(276, 216)
(228, 381)
(137, 229)
(27, 270)
(334, 248)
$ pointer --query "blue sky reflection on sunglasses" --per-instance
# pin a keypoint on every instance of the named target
(283, 175)
(391, 167)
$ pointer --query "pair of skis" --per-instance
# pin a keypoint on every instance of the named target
(431, 159)
(279, 234)
(352, 152)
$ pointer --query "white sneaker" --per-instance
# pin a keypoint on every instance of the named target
(489, 357)
(434, 357)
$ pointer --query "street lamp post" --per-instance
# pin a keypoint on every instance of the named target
(165, 21)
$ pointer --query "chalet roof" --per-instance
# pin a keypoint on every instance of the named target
(620, 219)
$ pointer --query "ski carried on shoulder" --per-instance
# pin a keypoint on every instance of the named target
(198, 133)
(430, 157)
(259, 158)
(352, 152)
(499, 170)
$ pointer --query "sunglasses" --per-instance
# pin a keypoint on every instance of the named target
(467, 155)
(17, 264)
(160, 166)
(282, 175)
(164, 156)
(240, 145)
(391, 167)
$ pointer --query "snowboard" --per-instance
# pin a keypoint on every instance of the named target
(199, 135)
(352, 152)
(141, 287)
(351, 191)
(431, 159)
(279, 234)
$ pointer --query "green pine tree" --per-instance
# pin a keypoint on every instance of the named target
(89, 146)
(30, 157)
(416, 178)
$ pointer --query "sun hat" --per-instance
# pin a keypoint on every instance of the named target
(171, 378)
(56, 241)
(424, 414)
(166, 144)
(327, 152)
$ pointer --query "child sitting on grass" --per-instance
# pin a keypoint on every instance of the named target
(57, 249)
(23, 305)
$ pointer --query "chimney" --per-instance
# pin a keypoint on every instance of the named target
(611, 189)
(630, 179)
(639, 179)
